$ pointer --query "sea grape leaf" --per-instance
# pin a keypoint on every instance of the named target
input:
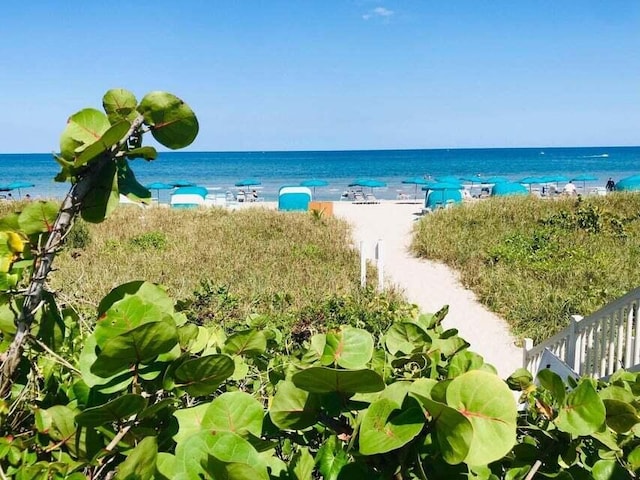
(10, 222)
(448, 343)
(172, 122)
(552, 382)
(349, 347)
(140, 463)
(125, 315)
(406, 338)
(111, 137)
(236, 412)
(302, 464)
(189, 421)
(330, 458)
(232, 457)
(608, 470)
(166, 465)
(83, 128)
(248, 342)
(486, 401)
(129, 186)
(120, 104)
(139, 345)
(584, 412)
(148, 153)
(202, 376)
(520, 380)
(148, 292)
(87, 358)
(462, 362)
(62, 428)
(293, 408)
(634, 458)
(104, 197)
(621, 416)
(192, 454)
(115, 410)
(38, 217)
(327, 380)
(386, 426)
(453, 431)
(614, 392)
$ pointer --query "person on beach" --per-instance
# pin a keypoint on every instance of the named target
(611, 185)
(254, 195)
(569, 189)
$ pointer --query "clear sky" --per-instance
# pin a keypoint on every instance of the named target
(351, 74)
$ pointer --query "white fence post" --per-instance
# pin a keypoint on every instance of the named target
(363, 266)
(380, 264)
(528, 345)
(573, 356)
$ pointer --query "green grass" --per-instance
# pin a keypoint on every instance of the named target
(537, 262)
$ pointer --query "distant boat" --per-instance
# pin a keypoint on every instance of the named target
(541, 153)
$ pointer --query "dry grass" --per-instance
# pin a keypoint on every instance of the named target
(258, 254)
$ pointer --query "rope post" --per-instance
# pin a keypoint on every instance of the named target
(363, 266)
(380, 264)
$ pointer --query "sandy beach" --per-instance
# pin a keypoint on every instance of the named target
(429, 284)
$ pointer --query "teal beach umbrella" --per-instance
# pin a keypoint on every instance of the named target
(313, 183)
(416, 181)
(629, 184)
(18, 185)
(157, 186)
(502, 189)
(495, 179)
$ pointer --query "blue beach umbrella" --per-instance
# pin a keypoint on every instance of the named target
(530, 181)
(18, 185)
(584, 178)
(502, 189)
(495, 179)
(248, 182)
(415, 181)
(629, 184)
(313, 183)
(182, 183)
(159, 186)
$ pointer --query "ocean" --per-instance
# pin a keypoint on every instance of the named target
(219, 171)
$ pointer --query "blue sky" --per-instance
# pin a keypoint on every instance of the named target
(359, 74)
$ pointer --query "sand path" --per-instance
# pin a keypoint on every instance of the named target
(429, 284)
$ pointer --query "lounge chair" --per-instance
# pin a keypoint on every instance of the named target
(294, 198)
(371, 198)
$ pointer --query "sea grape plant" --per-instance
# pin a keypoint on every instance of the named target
(95, 152)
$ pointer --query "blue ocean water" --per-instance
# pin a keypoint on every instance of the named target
(221, 170)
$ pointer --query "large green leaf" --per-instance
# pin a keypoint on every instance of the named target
(103, 198)
(326, 380)
(489, 405)
(172, 121)
(293, 408)
(126, 315)
(236, 412)
(350, 348)
(192, 455)
(386, 426)
(114, 411)
(202, 376)
(248, 342)
(120, 104)
(140, 345)
(584, 412)
(189, 421)
(140, 463)
(552, 382)
(462, 362)
(61, 426)
(146, 291)
(302, 465)
(406, 338)
(330, 458)
(129, 186)
(453, 431)
(38, 217)
(448, 343)
(110, 138)
(148, 153)
(621, 416)
(87, 358)
(233, 458)
(83, 128)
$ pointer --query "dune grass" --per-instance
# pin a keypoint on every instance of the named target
(537, 262)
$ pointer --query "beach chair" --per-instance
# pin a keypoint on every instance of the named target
(294, 199)
(371, 198)
(189, 197)
(358, 197)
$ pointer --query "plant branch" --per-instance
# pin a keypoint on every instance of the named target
(534, 470)
(57, 357)
(69, 209)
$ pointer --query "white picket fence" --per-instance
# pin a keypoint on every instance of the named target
(597, 345)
